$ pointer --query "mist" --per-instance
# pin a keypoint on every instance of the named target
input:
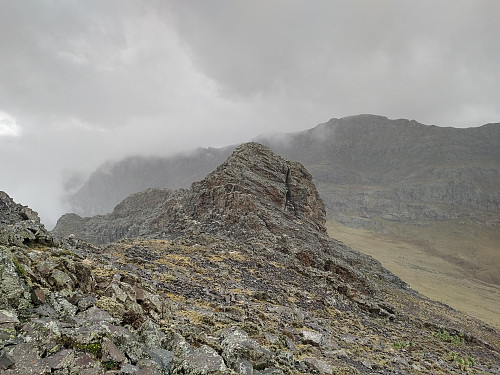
(86, 82)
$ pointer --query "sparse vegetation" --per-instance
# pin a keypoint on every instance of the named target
(93, 348)
(21, 272)
(444, 335)
(462, 362)
(403, 345)
(110, 365)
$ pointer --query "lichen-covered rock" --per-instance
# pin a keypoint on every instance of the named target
(237, 346)
(162, 357)
(8, 334)
(94, 314)
(27, 360)
(110, 353)
(85, 364)
(61, 360)
(8, 317)
(19, 225)
(312, 337)
(12, 287)
(112, 306)
(202, 361)
(60, 280)
(319, 366)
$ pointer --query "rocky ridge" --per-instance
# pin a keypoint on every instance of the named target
(256, 197)
(234, 276)
(20, 225)
(249, 195)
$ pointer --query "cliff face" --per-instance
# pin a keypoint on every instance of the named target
(363, 166)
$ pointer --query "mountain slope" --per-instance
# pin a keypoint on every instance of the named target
(255, 197)
(235, 275)
(431, 189)
(399, 169)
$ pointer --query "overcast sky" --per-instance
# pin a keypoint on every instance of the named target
(82, 82)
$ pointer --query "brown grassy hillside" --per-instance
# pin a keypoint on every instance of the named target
(452, 262)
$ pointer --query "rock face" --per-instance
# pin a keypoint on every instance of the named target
(234, 276)
(364, 166)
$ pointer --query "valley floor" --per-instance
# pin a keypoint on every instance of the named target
(441, 267)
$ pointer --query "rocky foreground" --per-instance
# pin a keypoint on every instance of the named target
(233, 276)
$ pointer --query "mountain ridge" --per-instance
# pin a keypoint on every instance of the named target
(272, 176)
(432, 169)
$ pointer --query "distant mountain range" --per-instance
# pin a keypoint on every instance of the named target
(364, 166)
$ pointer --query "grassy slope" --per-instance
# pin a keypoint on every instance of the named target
(453, 262)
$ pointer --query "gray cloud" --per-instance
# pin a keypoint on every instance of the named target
(433, 61)
(84, 82)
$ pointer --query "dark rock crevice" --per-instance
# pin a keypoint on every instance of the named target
(288, 195)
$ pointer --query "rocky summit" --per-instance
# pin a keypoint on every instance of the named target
(253, 195)
(234, 276)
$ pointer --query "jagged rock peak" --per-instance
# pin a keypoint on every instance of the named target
(254, 192)
(255, 179)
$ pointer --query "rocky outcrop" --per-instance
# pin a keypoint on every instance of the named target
(256, 198)
(255, 193)
(19, 225)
